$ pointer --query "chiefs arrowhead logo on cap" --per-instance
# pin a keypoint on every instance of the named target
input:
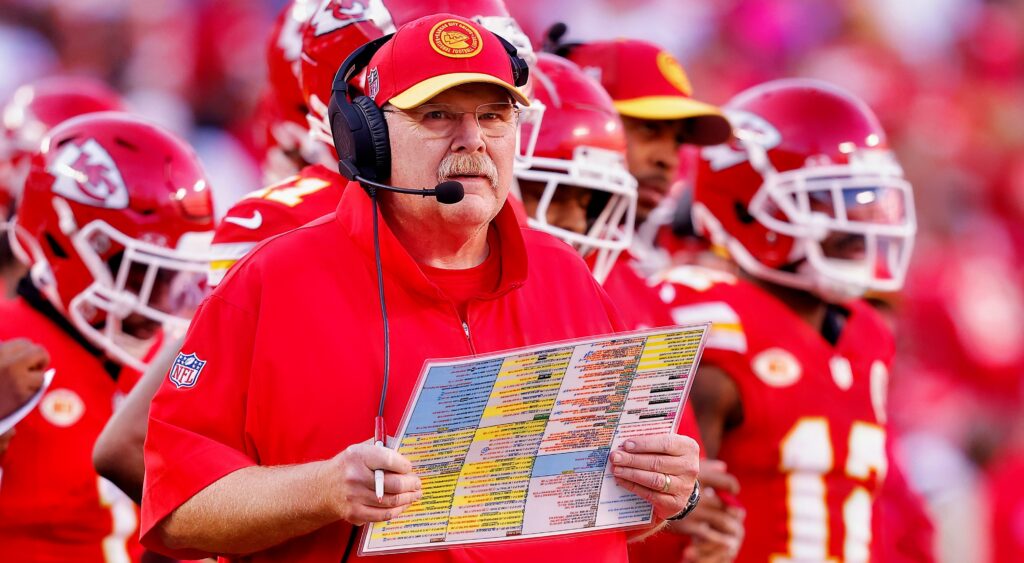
(673, 72)
(461, 52)
(453, 38)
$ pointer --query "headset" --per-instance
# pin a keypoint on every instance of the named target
(358, 126)
(360, 134)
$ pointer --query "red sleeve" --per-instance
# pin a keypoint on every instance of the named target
(198, 417)
(254, 220)
(251, 221)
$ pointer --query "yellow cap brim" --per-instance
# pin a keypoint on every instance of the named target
(423, 91)
(665, 107)
(710, 127)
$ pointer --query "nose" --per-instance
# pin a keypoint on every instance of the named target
(665, 155)
(468, 136)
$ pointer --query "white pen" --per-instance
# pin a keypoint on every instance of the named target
(379, 435)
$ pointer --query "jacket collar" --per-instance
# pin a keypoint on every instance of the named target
(354, 216)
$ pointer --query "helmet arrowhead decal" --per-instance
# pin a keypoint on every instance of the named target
(87, 174)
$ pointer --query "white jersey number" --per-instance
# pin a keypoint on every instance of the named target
(807, 456)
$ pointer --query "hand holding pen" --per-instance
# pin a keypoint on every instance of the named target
(369, 482)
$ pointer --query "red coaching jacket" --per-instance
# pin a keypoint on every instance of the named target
(285, 363)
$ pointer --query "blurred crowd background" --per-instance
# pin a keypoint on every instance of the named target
(945, 76)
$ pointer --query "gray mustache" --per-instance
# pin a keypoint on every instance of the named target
(467, 165)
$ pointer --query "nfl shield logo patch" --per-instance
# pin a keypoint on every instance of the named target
(185, 370)
(372, 84)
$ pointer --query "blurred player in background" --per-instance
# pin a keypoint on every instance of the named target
(114, 223)
(653, 95)
(812, 205)
(329, 33)
(281, 114)
(32, 110)
(576, 187)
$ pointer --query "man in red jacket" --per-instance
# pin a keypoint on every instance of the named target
(257, 443)
(326, 38)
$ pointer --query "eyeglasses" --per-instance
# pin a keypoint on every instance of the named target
(495, 119)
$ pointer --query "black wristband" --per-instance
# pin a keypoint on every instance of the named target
(690, 504)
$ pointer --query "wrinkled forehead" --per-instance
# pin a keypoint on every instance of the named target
(471, 95)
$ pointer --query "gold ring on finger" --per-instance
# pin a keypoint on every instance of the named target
(668, 483)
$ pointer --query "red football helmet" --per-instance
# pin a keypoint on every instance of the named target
(35, 108)
(282, 111)
(581, 145)
(807, 194)
(339, 27)
(115, 224)
(335, 29)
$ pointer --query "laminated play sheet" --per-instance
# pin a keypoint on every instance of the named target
(515, 445)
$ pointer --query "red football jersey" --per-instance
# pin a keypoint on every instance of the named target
(273, 210)
(53, 505)
(810, 453)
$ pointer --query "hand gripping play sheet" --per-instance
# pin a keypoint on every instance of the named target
(514, 445)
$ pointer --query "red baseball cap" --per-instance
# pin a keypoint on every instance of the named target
(646, 82)
(434, 53)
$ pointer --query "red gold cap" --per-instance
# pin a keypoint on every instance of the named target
(434, 53)
(647, 82)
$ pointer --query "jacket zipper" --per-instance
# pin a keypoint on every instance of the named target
(469, 339)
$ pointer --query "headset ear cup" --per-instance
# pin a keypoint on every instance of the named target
(379, 141)
(341, 135)
(520, 70)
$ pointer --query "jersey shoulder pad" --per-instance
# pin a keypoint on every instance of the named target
(270, 211)
(696, 278)
(697, 295)
(248, 223)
